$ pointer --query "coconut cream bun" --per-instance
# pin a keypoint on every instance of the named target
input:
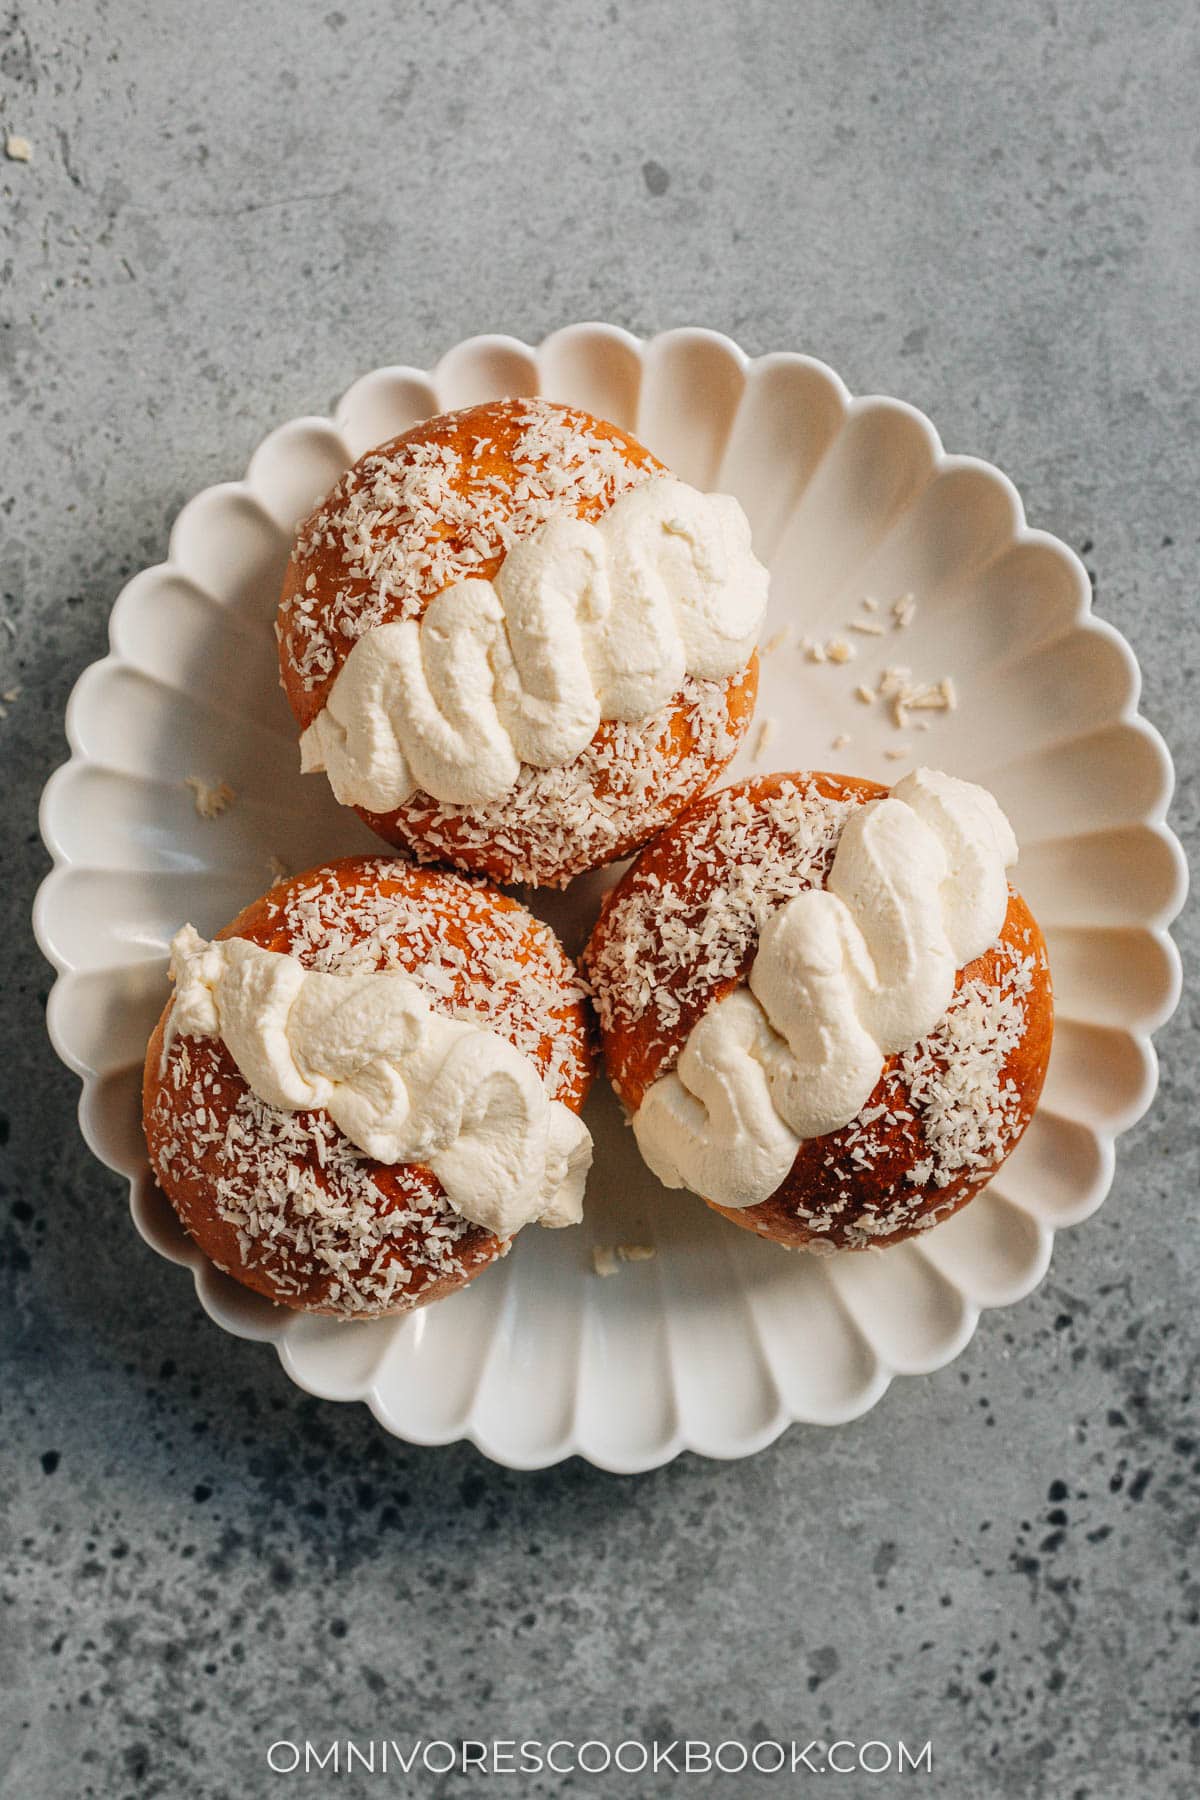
(823, 1006)
(516, 644)
(367, 1084)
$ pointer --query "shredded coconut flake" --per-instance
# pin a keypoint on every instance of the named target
(764, 735)
(668, 947)
(211, 799)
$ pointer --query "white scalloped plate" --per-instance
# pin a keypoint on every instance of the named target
(720, 1341)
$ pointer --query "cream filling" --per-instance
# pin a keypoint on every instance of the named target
(844, 977)
(582, 623)
(403, 1082)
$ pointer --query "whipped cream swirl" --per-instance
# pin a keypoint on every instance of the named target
(403, 1082)
(584, 622)
(845, 976)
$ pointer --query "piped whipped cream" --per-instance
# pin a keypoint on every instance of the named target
(583, 622)
(404, 1083)
(844, 977)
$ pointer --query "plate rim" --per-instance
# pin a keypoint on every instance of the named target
(1154, 818)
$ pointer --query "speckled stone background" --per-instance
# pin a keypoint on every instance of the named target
(231, 211)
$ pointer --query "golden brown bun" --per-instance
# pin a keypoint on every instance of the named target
(513, 973)
(851, 1188)
(630, 781)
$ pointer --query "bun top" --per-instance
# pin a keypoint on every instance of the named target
(285, 1197)
(845, 976)
(443, 502)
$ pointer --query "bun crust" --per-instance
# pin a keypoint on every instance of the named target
(923, 1146)
(282, 1201)
(632, 778)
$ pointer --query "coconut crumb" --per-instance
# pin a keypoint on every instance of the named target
(840, 741)
(941, 698)
(211, 799)
(896, 686)
(18, 149)
(907, 696)
(279, 870)
(779, 641)
(606, 1257)
(764, 735)
(897, 753)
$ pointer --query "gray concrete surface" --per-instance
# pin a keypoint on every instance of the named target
(231, 211)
